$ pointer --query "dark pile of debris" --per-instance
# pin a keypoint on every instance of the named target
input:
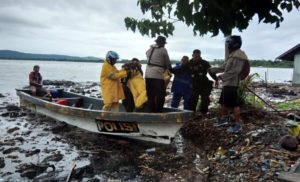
(254, 154)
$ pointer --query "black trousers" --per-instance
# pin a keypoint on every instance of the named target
(203, 91)
(128, 102)
(229, 96)
(156, 93)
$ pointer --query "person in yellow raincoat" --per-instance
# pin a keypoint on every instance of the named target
(111, 87)
(135, 83)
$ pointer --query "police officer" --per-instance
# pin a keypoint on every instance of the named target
(198, 68)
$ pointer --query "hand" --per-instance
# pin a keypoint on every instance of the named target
(39, 85)
(217, 83)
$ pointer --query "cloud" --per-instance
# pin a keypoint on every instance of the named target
(91, 28)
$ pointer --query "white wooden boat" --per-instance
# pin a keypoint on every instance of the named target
(155, 127)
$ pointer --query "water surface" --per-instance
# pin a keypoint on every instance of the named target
(14, 73)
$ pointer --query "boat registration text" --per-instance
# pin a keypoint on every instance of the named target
(116, 126)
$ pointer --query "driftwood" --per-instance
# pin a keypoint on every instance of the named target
(72, 169)
(262, 99)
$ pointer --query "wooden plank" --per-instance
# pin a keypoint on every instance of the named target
(72, 169)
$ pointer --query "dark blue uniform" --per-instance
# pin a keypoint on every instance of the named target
(202, 86)
(181, 88)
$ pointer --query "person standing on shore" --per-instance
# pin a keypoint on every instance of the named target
(181, 86)
(231, 81)
(198, 68)
(36, 81)
(111, 87)
(158, 62)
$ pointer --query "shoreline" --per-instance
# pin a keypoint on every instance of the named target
(257, 63)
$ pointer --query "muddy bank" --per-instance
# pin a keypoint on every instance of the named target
(38, 148)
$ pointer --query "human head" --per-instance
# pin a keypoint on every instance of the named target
(196, 55)
(161, 41)
(112, 57)
(36, 68)
(135, 60)
(234, 42)
(184, 60)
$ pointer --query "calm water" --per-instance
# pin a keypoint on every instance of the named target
(14, 73)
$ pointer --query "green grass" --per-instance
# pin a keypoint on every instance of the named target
(288, 105)
(254, 101)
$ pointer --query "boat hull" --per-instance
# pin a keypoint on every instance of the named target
(154, 127)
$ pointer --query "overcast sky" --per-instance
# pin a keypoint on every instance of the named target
(92, 27)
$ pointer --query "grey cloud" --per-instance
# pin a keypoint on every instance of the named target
(91, 27)
(15, 21)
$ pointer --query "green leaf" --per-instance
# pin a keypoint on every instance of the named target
(289, 7)
(283, 5)
(216, 16)
(295, 131)
(296, 4)
(196, 5)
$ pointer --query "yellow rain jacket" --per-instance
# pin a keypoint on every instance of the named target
(111, 87)
(167, 77)
(137, 86)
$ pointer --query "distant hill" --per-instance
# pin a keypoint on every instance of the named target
(8, 54)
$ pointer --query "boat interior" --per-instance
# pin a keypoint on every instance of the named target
(81, 101)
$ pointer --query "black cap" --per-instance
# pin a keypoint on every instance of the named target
(161, 39)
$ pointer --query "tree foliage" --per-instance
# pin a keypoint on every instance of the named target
(207, 16)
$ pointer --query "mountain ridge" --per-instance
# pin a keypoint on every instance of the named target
(10, 54)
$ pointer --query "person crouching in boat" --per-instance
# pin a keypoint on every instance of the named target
(111, 87)
(135, 84)
(36, 82)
